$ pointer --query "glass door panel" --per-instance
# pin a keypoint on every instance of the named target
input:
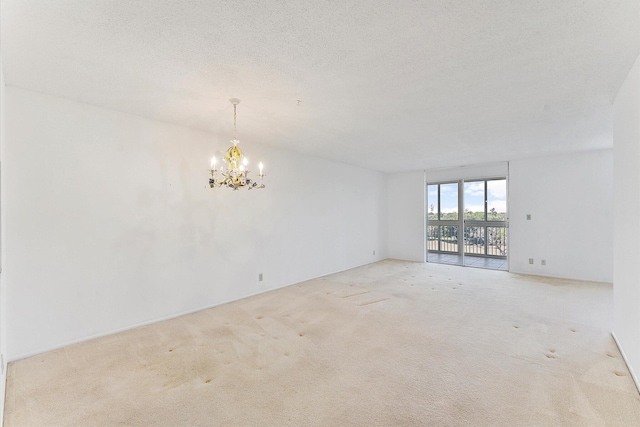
(449, 238)
(474, 241)
(449, 202)
(485, 223)
(433, 203)
(474, 201)
(497, 200)
(443, 223)
(433, 238)
(497, 241)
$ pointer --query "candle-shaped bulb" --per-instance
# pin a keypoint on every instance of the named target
(245, 161)
(241, 168)
(213, 162)
(260, 166)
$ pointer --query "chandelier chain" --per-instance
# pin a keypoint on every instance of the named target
(235, 127)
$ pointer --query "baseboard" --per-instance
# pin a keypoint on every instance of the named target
(542, 276)
(624, 357)
(171, 316)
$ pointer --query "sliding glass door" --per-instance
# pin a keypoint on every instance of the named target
(467, 223)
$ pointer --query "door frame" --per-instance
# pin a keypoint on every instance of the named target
(461, 223)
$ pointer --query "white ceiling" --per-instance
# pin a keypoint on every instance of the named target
(389, 85)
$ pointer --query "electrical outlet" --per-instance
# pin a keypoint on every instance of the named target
(260, 277)
(528, 217)
(543, 262)
(530, 260)
(374, 252)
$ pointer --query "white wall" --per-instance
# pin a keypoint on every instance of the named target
(626, 215)
(110, 222)
(406, 201)
(567, 195)
(570, 199)
(3, 299)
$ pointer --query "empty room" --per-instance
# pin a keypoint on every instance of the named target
(319, 213)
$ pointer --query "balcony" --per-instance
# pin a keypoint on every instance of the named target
(485, 245)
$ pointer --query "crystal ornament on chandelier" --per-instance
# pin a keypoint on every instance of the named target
(236, 175)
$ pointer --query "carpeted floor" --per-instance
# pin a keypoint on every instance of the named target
(389, 344)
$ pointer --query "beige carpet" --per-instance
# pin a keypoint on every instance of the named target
(389, 344)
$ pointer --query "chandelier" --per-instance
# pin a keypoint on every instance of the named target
(236, 174)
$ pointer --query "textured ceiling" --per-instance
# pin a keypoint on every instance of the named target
(390, 85)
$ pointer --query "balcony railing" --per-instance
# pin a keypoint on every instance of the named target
(479, 240)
